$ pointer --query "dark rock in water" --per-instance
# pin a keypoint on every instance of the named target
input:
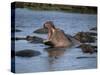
(31, 39)
(91, 33)
(86, 48)
(84, 37)
(84, 57)
(15, 30)
(34, 39)
(95, 28)
(95, 47)
(27, 53)
(41, 31)
(18, 38)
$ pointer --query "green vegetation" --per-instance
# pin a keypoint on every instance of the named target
(57, 7)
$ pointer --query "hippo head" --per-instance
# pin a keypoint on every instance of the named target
(49, 25)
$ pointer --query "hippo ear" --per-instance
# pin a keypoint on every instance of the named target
(44, 26)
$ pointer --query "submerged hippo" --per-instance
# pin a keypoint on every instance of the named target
(56, 37)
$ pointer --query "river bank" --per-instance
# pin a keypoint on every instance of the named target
(57, 7)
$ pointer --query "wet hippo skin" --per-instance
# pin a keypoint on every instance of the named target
(56, 36)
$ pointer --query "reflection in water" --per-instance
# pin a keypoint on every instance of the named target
(53, 55)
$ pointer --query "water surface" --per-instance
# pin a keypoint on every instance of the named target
(64, 59)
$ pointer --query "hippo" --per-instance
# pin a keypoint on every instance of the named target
(56, 37)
